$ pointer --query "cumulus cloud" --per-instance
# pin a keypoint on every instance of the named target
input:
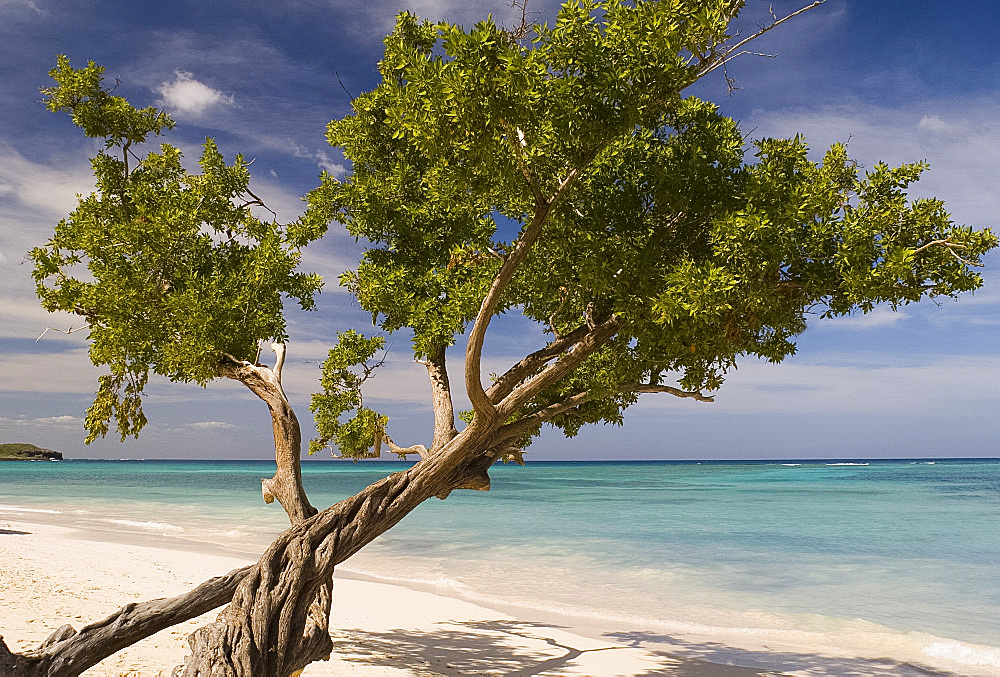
(935, 125)
(190, 97)
(48, 191)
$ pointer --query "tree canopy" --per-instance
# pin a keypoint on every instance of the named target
(577, 156)
(179, 270)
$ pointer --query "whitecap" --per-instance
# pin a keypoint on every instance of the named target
(967, 654)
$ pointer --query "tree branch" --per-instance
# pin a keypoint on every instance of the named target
(676, 392)
(418, 449)
(517, 142)
(572, 358)
(477, 336)
(279, 359)
(69, 652)
(265, 383)
(532, 363)
(523, 425)
(951, 247)
(720, 59)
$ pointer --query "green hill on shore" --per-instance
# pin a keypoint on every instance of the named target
(27, 452)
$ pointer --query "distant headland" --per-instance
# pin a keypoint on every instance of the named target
(27, 452)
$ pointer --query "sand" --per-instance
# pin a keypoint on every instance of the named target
(50, 575)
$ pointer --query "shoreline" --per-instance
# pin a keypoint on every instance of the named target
(54, 575)
(380, 627)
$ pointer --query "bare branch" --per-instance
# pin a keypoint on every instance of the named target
(523, 425)
(279, 358)
(260, 203)
(721, 58)
(517, 142)
(72, 652)
(477, 335)
(418, 449)
(951, 247)
(676, 392)
(69, 331)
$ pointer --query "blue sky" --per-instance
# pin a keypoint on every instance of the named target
(900, 81)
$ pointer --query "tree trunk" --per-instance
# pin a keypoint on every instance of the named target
(262, 631)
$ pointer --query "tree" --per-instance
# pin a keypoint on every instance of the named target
(566, 178)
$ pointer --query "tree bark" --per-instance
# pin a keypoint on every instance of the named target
(313, 643)
(262, 631)
(265, 383)
(444, 409)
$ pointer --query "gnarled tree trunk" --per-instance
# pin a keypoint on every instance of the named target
(264, 629)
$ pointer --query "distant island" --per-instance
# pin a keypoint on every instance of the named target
(27, 452)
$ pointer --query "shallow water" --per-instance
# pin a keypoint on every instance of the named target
(905, 554)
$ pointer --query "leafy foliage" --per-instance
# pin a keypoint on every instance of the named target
(652, 211)
(171, 269)
(342, 393)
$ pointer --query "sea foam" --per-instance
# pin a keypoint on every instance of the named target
(154, 526)
(14, 508)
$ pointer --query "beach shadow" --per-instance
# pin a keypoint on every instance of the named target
(484, 648)
(13, 532)
(457, 648)
(710, 656)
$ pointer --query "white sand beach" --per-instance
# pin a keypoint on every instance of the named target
(52, 575)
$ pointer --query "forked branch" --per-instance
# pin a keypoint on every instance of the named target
(950, 247)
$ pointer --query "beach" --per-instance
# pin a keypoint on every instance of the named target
(814, 568)
(53, 575)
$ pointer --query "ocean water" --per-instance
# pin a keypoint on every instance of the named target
(892, 559)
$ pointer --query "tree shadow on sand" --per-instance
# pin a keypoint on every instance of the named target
(495, 648)
(709, 655)
(13, 532)
(499, 648)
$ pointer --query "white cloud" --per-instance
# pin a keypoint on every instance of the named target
(963, 170)
(878, 385)
(22, 422)
(935, 125)
(190, 97)
(325, 163)
(20, 8)
(883, 316)
(211, 425)
(25, 318)
(68, 371)
(48, 190)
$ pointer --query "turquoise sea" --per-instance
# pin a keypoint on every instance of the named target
(896, 558)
